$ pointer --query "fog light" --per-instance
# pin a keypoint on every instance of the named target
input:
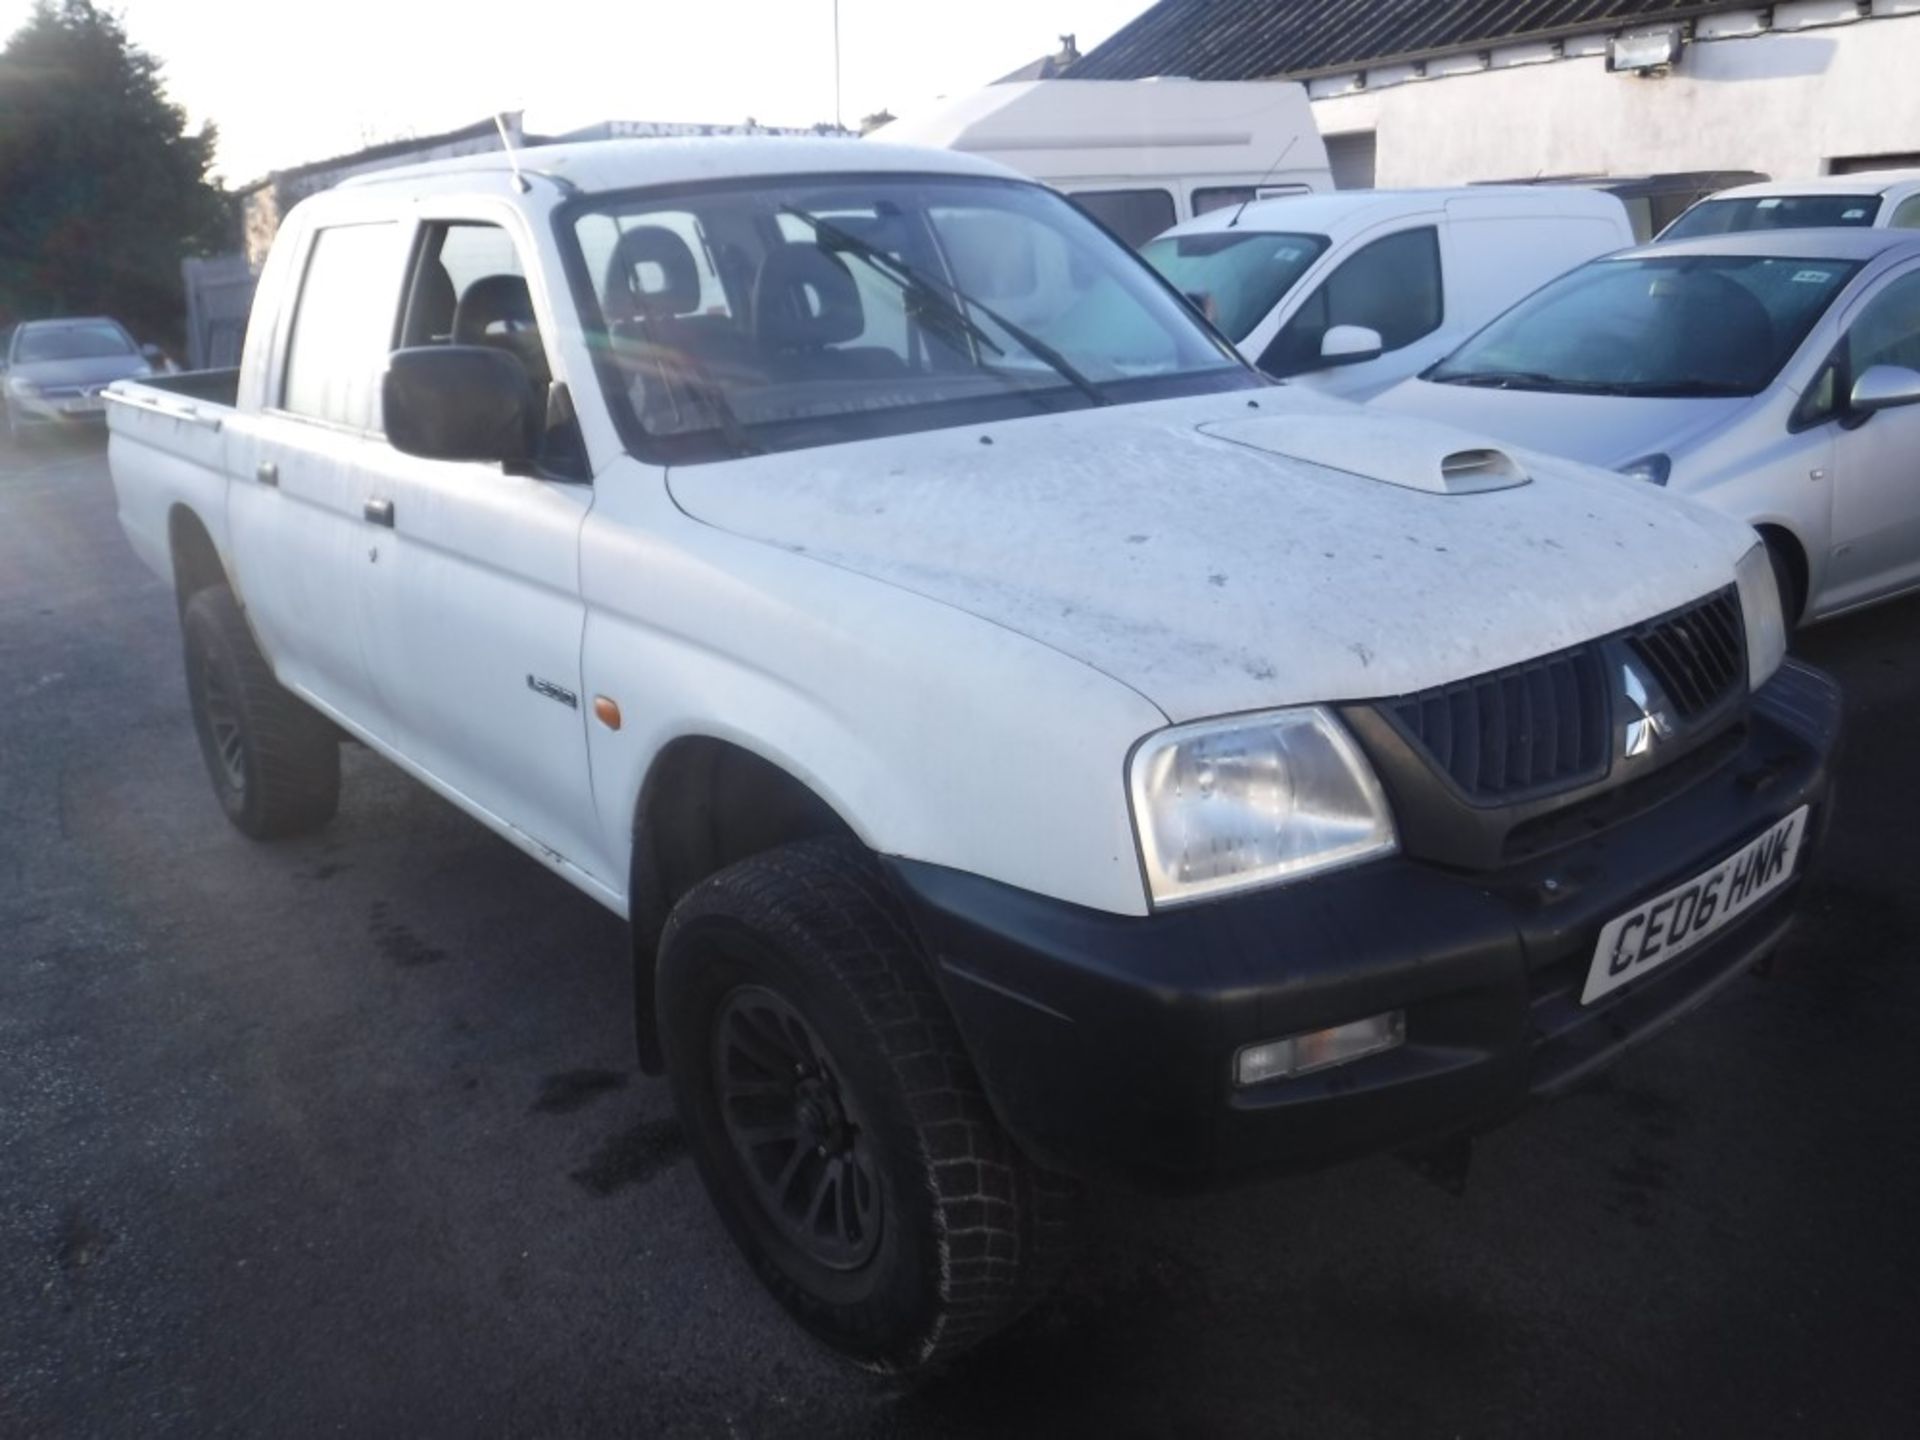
(1318, 1049)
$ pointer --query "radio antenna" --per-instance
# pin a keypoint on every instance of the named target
(1280, 160)
(513, 155)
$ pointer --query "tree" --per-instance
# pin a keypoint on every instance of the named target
(102, 189)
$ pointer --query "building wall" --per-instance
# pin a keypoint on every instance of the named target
(1784, 104)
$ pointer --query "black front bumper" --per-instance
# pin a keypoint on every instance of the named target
(1106, 1042)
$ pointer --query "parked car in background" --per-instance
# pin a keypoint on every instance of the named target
(1024, 744)
(1137, 155)
(52, 372)
(1653, 201)
(1355, 291)
(1776, 376)
(1869, 198)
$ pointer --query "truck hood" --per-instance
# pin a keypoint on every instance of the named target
(1185, 549)
(1605, 430)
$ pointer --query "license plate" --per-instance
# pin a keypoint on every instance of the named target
(1646, 938)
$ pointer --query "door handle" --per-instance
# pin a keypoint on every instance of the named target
(380, 512)
(267, 473)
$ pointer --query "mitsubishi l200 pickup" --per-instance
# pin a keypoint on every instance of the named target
(1028, 746)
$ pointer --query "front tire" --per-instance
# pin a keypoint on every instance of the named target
(273, 760)
(836, 1119)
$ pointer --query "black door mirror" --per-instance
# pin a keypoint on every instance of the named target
(459, 402)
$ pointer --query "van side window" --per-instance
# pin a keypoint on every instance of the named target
(1392, 285)
(1136, 216)
(1907, 216)
(1218, 197)
(341, 325)
(469, 287)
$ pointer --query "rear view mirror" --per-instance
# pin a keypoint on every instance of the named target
(459, 402)
(1885, 387)
(1351, 345)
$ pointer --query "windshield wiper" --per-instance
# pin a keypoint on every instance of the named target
(918, 291)
(1501, 379)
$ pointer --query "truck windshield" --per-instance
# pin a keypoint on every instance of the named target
(1235, 276)
(772, 315)
(1667, 325)
(1773, 212)
(70, 342)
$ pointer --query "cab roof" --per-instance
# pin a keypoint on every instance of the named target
(601, 165)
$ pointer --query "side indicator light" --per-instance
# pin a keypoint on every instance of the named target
(607, 712)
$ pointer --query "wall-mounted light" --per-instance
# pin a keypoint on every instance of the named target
(1644, 50)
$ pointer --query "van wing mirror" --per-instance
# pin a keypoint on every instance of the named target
(1884, 387)
(1351, 345)
(459, 402)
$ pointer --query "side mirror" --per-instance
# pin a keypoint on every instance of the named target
(1884, 387)
(152, 352)
(1351, 345)
(459, 402)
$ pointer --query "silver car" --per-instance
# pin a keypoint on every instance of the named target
(1768, 374)
(52, 372)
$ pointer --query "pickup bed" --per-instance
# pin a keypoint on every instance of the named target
(1028, 747)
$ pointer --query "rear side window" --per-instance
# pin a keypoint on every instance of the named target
(343, 326)
(1136, 216)
(1392, 285)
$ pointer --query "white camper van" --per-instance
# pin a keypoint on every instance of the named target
(1140, 155)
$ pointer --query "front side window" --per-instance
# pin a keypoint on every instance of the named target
(469, 287)
(740, 318)
(1671, 326)
(1907, 215)
(343, 325)
(1887, 330)
(90, 340)
(1774, 212)
(1392, 286)
(1236, 277)
(1136, 216)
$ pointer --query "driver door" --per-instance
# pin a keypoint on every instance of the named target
(1876, 458)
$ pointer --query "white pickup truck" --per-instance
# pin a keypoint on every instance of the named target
(1026, 744)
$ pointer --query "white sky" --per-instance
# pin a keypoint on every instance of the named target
(289, 81)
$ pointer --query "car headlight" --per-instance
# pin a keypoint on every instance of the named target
(1253, 800)
(1654, 469)
(1766, 622)
(21, 386)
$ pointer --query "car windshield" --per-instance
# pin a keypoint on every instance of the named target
(1235, 276)
(770, 315)
(70, 342)
(1773, 212)
(1664, 325)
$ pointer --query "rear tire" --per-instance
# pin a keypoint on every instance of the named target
(273, 760)
(836, 1118)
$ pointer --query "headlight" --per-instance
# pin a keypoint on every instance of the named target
(1654, 469)
(1766, 624)
(1253, 800)
(23, 387)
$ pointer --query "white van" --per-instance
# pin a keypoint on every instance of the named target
(1356, 291)
(1139, 155)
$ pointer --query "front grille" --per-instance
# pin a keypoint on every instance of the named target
(1697, 654)
(1545, 724)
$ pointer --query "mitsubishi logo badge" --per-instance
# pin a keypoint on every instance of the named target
(1646, 726)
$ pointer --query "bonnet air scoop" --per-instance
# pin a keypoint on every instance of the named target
(1413, 454)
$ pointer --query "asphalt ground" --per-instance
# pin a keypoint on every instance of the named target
(341, 1136)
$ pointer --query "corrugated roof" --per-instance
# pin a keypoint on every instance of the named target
(1264, 39)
